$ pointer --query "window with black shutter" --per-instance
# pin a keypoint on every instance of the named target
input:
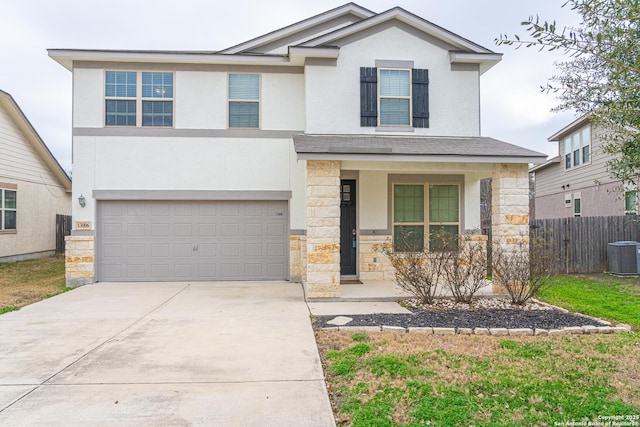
(385, 99)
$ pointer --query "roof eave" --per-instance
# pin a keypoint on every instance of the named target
(577, 123)
(443, 158)
(484, 60)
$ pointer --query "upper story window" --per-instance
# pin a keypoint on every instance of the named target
(244, 101)
(577, 148)
(8, 206)
(394, 97)
(138, 98)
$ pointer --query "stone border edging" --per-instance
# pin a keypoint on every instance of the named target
(499, 332)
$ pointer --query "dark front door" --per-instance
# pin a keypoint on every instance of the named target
(348, 227)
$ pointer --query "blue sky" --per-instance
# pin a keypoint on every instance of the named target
(513, 107)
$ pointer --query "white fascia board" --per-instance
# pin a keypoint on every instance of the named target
(351, 8)
(577, 123)
(485, 60)
(298, 55)
(546, 164)
(411, 158)
(403, 16)
(66, 57)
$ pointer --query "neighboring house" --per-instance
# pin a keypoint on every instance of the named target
(289, 156)
(33, 188)
(576, 182)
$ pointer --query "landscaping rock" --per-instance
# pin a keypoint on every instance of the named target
(339, 321)
(481, 331)
(421, 330)
(541, 333)
(444, 331)
(465, 331)
(520, 332)
(499, 332)
(393, 328)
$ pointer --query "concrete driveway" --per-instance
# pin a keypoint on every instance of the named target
(155, 354)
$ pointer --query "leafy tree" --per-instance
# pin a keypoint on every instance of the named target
(601, 76)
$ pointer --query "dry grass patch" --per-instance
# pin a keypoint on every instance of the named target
(26, 282)
(394, 379)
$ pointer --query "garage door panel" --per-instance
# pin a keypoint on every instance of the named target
(174, 240)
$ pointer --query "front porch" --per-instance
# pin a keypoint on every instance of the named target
(357, 200)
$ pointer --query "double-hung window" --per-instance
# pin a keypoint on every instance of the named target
(244, 101)
(577, 148)
(139, 98)
(8, 208)
(422, 212)
(395, 98)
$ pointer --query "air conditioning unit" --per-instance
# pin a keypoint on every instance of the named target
(624, 258)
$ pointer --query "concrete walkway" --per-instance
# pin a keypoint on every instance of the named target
(212, 354)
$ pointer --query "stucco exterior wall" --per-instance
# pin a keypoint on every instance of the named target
(37, 206)
(453, 95)
(597, 200)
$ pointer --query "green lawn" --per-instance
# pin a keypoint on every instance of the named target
(608, 297)
(392, 379)
(26, 282)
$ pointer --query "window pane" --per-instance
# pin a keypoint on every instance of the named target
(9, 199)
(244, 115)
(408, 203)
(438, 234)
(120, 83)
(408, 238)
(244, 86)
(576, 141)
(631, 201)
(586, 136)
(157, 85)
(394, 82)
(120, 113)
(567, 161)
(443, 203)
(9, 220)
(577, 207)
(157, 113)
(394, 112)
(576, 157)
(586, 154)
(567, 145)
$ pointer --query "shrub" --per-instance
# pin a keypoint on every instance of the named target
(466, 266)
(526, 269)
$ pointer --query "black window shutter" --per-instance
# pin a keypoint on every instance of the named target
(420, 89)
(368, 96)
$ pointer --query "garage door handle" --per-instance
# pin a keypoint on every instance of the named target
(195, 248)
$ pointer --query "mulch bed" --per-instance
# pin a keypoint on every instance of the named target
(483, 318)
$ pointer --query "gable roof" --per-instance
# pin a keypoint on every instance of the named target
(411, 148)
(300, 26)
(20, 119)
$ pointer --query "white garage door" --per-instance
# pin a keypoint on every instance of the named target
(192, 240)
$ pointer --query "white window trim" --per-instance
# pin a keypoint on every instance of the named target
(427, 223)
(138, 98)
(582, 145)
(259, 100)
(410, 98)
(577, 197)
(567, 201)
(631, 211)
(3, 209)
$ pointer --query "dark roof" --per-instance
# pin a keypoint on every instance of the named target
(482, 147)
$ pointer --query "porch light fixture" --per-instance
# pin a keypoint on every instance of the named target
(82, 201)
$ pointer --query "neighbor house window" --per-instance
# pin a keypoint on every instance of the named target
(577, 148)
(577, 204)
(8, 205)
(631, 202)
(244, 101)
(138, 98)
(395, 97)
(424, 211)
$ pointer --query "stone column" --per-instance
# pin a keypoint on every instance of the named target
(323, 229)
(79, 260)
(509, 209)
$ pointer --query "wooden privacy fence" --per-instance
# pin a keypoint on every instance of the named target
(581, 242)
(63, 228)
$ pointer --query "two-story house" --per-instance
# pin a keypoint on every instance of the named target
(286, 157)
(577, 182)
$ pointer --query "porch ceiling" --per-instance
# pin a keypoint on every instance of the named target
(412, 149)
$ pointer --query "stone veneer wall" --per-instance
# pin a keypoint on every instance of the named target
(323, 229)
(374, 265)
(297, 258)
(79, 260)
(509, 210)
